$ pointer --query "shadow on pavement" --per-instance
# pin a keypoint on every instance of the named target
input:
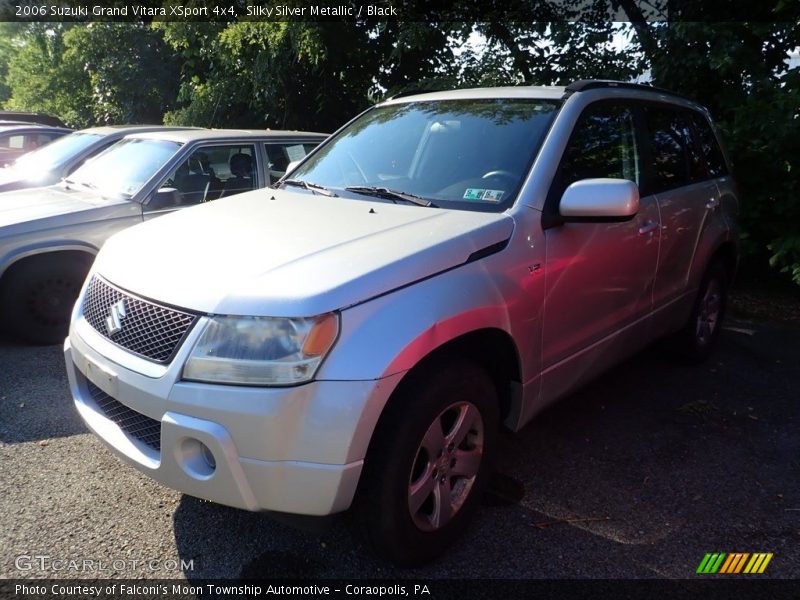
(35, 403)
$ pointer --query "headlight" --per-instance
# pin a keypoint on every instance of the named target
(261, 350)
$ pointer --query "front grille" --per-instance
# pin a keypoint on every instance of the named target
(147, 329)
(136, 425)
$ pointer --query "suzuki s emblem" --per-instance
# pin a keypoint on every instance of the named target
(115, 316)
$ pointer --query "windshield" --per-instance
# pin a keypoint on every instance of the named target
(55, 153)
(465, 154)
(125, 167)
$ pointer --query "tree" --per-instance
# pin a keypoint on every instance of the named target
(132, 73)
(8, 48)
(311, 75)
(43, 77)
(94, 73)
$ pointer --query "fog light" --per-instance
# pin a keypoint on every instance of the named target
(208, 456)
(196, 459)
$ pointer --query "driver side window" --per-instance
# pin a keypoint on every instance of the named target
(603, 144)
(208, 173)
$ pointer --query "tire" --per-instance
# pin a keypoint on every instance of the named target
(696, 341)
(37, 295)
(435, 441)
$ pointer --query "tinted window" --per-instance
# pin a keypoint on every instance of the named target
(603, 144)
(676, 159)
(709, 146)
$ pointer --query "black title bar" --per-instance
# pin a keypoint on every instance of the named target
(432, 11)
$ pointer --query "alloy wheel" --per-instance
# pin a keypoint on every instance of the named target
(446, 465)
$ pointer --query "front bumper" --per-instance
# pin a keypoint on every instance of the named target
(296, 450)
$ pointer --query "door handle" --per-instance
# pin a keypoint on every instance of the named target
(648, 228)
(712, 204)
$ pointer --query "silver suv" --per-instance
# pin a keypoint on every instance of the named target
(444, 266)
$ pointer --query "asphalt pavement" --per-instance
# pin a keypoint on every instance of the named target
(638, 475)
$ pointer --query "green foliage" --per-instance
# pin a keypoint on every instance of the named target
(8, 47)
(44, 77)
(92, 73)
(764, 140)
(258, 74)
(786, 256)
(132, 73)
(541, 53)
(296, 74)
(202, 87)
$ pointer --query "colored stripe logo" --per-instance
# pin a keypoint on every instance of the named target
(734, 563)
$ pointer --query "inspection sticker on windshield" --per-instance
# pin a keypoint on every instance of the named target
(493, 195)
(481, 194)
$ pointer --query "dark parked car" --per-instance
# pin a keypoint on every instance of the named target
(50, 164)
(18, 139)
(30, 117)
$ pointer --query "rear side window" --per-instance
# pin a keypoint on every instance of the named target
(603, 144)
(676, 160)
(709, 146)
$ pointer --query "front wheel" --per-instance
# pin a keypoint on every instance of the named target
(429, 463)
(37, 296)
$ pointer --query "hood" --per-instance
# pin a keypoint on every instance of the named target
(12, 179)
(279, 253)
(55, 206)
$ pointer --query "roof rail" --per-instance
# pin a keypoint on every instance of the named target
(592, 84)
(413, 91)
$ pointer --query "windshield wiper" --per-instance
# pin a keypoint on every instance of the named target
(382, 192)
(311, 187)
(85, 184)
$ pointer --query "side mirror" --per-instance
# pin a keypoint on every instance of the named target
(598, 200)
(166, 197)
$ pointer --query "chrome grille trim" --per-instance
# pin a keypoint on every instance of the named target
(136, 425)
(150, 330)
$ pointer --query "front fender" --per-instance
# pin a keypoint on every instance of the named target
(13, 255)
(392, 333)
(383, 338)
